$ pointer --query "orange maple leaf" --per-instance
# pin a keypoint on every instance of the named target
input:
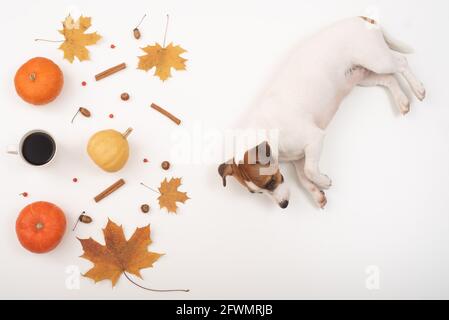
(170, 194)
(118, 255)
(163, 59)
(76, 39)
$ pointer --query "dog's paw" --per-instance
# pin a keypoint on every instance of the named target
(319, 197)
(323, 181)
(321, 200)
(403, 104)
(420, 91)
(320, 180)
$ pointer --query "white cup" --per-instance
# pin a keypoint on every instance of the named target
(18, 149)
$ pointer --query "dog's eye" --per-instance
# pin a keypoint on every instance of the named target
(271, 185)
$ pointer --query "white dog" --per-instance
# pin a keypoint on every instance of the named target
(304, 96)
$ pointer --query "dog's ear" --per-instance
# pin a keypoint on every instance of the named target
(225, 170)
(264, 150)
(262, 153)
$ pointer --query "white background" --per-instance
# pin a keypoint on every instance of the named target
(388, 206)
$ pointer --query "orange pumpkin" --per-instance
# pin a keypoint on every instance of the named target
(40, 226)
(39, 81)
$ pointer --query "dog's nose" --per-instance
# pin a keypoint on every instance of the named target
(283, 204)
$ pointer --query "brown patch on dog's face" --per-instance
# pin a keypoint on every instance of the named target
(249, 173)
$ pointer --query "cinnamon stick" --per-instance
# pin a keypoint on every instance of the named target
(110, 190)
(110, 71)
(166, 113)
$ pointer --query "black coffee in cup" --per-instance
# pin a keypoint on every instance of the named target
(38, 148)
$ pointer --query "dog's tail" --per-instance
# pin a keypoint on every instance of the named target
(395, 44)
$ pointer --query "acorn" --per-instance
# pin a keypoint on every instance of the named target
(124, 96)
(136, 33)
(165, 165)
(145, 208)
(84, 219)
(85, 112)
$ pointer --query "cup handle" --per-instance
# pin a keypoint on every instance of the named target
(12, 150)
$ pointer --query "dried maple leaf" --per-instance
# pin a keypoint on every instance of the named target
(118, 255)
(163, 59)
(170, 194)
(76, 39)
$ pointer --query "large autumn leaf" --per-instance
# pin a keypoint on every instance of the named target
(118, 255)
(170, 194)
(163, 59)
(76, 39)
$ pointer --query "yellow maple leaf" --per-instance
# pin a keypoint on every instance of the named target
(119, 255)
(170, 194)
(76, 39)
(163, 59)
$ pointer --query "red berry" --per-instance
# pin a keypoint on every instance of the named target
(111, 116)
(25, 194)
(84, 83)
(112, 46)
(145, 160)
(75, 180)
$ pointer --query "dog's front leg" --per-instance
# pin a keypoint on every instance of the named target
(312, 153)
(318, 195)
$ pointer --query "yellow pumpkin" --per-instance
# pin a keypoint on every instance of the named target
(109, 149)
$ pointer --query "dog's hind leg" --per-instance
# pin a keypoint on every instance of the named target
(312, 153)
(375, 51)
(381, 60)
(416, 85)
(391, 83)
(318, 195)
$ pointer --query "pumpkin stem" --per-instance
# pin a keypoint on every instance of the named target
(154, 290)
(33, 76)
(127, 133)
